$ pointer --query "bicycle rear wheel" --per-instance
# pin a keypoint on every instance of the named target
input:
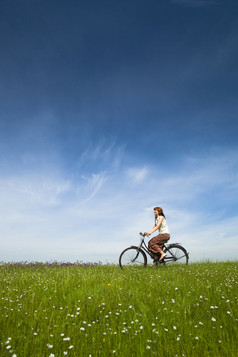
(132, 256)
(176, 254)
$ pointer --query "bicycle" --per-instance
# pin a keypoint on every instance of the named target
(133, 255)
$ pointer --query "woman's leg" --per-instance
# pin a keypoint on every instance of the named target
(155, 245)
(152, 245)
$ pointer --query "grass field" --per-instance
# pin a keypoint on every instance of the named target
(99, 310)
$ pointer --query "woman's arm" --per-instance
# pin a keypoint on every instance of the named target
(155, 226)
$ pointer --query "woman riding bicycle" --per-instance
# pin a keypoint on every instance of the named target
(155, 245)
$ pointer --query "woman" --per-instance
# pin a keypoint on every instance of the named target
(155, 245)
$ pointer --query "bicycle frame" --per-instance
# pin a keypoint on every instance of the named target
(144, 246)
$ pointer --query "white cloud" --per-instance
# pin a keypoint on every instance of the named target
(217, 240)
(93, 185)
(57, 216)
(105, 154)
(137, 174)
(45, 191)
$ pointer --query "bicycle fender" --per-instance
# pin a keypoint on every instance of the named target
(171, 244)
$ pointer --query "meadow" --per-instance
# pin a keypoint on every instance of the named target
(57, 309)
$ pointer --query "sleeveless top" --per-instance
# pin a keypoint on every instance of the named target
(163, 227)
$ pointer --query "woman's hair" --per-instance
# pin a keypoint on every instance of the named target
(159, 209)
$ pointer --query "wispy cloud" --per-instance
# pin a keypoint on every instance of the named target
(138, 174)
(103, 155)
(96, 216)
(44, 191)
(93, 185)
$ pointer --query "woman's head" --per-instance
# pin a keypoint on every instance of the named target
(159, 212)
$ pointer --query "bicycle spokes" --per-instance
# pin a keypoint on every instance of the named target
(176, 254)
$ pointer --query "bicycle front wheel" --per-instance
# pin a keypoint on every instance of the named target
(176, 254)
(132, 256)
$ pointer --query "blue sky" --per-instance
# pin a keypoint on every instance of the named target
(111, 108)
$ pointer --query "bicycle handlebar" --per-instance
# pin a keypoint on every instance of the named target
(143, 234)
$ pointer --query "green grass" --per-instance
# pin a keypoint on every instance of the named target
(59, 310)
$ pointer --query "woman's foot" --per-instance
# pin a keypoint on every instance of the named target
(163, 255)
